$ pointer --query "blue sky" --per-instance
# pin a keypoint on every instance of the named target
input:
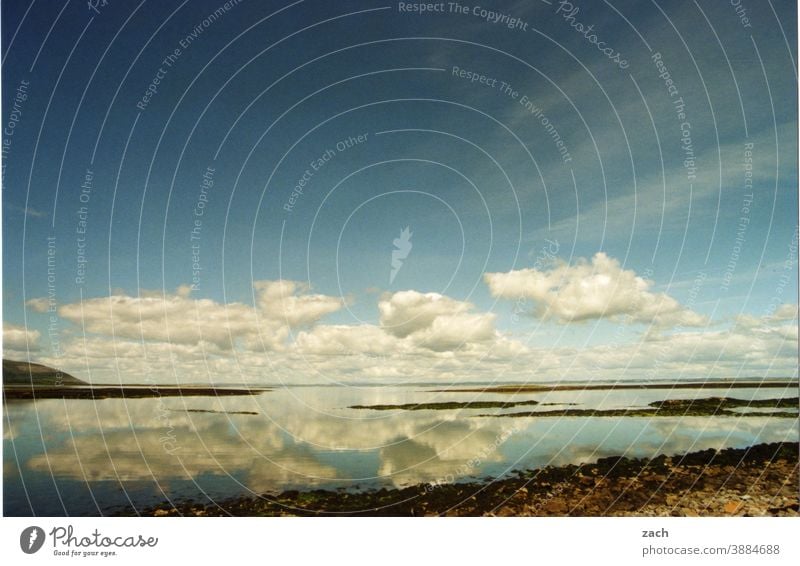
(256, 92)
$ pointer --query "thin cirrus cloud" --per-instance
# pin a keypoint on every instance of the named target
(591, 289)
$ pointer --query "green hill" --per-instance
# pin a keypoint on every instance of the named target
(28, 374)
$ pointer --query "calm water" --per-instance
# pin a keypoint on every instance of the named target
(79, 457)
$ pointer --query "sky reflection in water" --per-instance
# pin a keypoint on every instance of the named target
(81, 457)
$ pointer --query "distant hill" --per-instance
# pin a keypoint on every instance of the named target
(23, 380)
(38, 375)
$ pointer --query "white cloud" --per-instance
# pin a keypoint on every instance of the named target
(435, 321)
(18, 338)
(780, 321)
(418, 337)
(785, 312)
(289, 302)
(344, 340)
(406, 312)
(762, 347)
(594, 289)
(175, 337)
(411, 323)
(39, 304)
(454, 331)
(179, 320)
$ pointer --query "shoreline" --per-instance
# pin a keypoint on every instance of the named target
(755, 481)
(17, 392)
(26, 391)
(542, 388)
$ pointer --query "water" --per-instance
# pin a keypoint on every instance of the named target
(83, 457)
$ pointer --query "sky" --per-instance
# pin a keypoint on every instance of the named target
(372, 192)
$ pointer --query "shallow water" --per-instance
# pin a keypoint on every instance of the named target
(83, 457)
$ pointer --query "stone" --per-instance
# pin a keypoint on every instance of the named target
(556, 506)
(732, 507)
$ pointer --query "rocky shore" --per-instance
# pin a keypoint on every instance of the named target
(755, 481)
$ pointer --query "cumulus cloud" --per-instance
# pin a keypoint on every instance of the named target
(406, 312)
(435, 321)
(780, 320)
(417, 336)
(39, 304)
(290, 302)
(761, 347)
(410, 323)
(177, 319)
(174, 336)
(599, 288)
(19, 338)
(785, 312)
(342, 339)
(360, 353)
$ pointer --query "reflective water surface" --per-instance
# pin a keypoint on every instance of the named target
(83, 457)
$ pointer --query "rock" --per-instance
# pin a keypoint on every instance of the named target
(556, 506)
(732, 507)
(686, 489)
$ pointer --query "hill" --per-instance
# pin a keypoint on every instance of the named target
(38, 375)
